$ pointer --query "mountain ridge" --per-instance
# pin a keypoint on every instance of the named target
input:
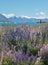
(21, 19)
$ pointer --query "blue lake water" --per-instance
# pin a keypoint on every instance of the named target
(17, 23)
(21, 23)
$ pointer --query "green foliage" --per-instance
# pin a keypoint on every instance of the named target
(38, 41)
(12, 42)
(24, 48)
(32, 63)
(0, 49)
(0, 40)
(17, 47)
(43, 41)
(41, 63)
(33, 51)
(32, 41)
(7, 61)
(22, 63)
(45, 61)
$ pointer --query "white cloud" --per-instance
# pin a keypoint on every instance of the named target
(41, 15)
(8, 15)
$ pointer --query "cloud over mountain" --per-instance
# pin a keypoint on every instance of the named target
(41, 15)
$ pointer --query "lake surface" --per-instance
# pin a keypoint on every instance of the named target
(20, 23)
(17, 23)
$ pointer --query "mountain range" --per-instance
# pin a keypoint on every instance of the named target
(21, 19)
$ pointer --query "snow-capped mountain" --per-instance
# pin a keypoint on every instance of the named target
(23, 19)
(12, 18)
(3, 18)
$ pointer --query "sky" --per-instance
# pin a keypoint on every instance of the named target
(24, 8)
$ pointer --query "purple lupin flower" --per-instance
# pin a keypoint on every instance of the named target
(28, 53)
(32, 58)
(19, 58)
(14, 63)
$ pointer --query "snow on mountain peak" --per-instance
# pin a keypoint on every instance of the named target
(8, 15)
